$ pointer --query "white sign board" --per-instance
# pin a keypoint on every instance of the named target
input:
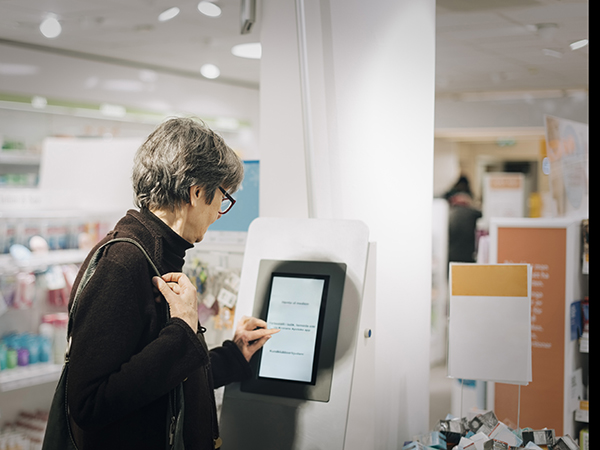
(503, 195)
(490, 323)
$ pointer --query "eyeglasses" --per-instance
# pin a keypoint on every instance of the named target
(227, 202)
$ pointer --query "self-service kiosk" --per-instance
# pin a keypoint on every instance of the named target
(313, 382)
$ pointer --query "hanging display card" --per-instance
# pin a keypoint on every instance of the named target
(568, 154)
(489, 335)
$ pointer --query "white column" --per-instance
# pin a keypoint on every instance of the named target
(368, 97)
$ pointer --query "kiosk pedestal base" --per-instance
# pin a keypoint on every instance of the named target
(345, 421)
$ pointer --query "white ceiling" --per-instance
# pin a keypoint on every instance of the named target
(482, 45)
(129, 32)
(492, 45)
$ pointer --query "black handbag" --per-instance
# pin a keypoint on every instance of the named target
(58, 435)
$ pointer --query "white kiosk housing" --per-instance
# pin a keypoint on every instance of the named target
(314, 279)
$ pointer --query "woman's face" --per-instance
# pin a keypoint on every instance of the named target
(202, 215)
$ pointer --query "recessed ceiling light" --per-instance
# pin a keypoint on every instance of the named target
(168, 14)
(50, 27)
(251, 50)
(210, 71)
(578, 44)
(209, 9)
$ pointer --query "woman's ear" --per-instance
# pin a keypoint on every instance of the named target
(195, 194)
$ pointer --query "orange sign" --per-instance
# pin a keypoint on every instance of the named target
(489, 280)
(542, 400)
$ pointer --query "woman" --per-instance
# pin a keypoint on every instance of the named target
(124, 358)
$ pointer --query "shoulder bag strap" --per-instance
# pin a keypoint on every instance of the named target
(87, 275)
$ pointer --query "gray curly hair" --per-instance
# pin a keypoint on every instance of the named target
(178, 154)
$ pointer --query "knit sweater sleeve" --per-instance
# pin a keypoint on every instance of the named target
(228, 364)
(122, 359)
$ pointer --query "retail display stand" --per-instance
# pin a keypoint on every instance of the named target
(553, 249)
(304, 415)
(489, 327)
(489, 337)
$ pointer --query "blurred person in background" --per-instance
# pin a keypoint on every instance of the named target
(462, 222)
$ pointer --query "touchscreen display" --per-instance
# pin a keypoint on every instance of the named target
(296, 306)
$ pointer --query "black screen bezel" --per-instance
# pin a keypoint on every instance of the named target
(321, 389)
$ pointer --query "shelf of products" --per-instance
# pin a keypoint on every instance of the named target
(18, 159)
(582, 414)
(483, 430)
(557, 251)
(214, 267)
(22, 377)
(34, 292)
(41, 262)
(25, 432)
(19, 169)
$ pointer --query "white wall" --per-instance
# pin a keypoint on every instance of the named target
(370, 113)
(446, 166)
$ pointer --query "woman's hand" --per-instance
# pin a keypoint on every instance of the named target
(180, 294)
(251, 334)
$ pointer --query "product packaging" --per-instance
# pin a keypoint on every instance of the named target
(539, 437)
(435, 439)
(414, 445)
(584, 439)
(502, 433)
(565, 442)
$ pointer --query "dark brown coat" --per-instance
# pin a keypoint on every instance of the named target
(124, 359)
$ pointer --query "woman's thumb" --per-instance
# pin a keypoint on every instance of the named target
(159, 283)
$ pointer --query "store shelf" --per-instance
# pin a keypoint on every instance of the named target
(19, 159)
(563, 357)
(22, 377)
(584, 343)
(41, 262)
(583, 413)
(18, 169)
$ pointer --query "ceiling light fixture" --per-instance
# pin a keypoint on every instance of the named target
(50, 27)
(209, 9)
(251, 50)
(578, 44)
(168, 14)
(210, 71)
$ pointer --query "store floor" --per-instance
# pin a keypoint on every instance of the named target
(440, 394)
